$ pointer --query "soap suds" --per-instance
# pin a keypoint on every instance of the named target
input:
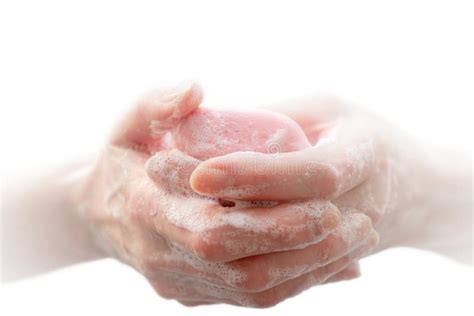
(195, 214)
(348, 228)
(279, 275)
(224, 271)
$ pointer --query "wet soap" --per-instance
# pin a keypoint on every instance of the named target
(207, 133)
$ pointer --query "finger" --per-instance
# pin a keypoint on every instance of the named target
(323, 107)
(193, 303)
(170, 170)
(250, 231)
(189, 291)
(266, 271)
(324, 110)
(257, 273)
(323, 171)
(295, 286)
(371, 197)
(349, 273)
(270, 297)
(219, 234)
(178, 287)
(155, 114)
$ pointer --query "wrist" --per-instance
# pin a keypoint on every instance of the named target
(40, 227)
(448, 202)
(434, 205)
(76, 186)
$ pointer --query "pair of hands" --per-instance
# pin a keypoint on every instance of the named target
(158, 210)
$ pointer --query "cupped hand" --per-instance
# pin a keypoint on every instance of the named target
(139, 205)
(358, 162)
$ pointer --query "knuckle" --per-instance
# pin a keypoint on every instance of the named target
(148, 266)
(360, 221)
(324, 251)
(256, 284)
(265, 299)
(373, 240)
(187, 303)
(365, 222)
(331, 218)
(324, 180)
(204, 248)
(256, 275)
(164, 291)
(329, 249)
(374, 214)
(149, 263)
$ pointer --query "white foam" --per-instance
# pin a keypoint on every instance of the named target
(223, 271)
(195, 214)
(198, 290)
(244, 190)
(278, 275)
(172, 170)
(349, 228)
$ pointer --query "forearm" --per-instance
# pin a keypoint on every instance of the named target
(449, 226)
(40, 227)
(436, 211)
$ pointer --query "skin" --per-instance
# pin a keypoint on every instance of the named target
(415, 195)
(342, 194)
(125, 201)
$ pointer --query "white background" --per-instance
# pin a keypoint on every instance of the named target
(69, 69)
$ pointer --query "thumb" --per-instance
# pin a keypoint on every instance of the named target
(156, 113)
(347, 158)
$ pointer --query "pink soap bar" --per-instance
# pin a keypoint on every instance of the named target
(207, 133)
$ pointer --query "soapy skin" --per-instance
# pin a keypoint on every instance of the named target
(208, 133)
(362, 164)
(299, 218)
(143, 211)
(157, 208)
